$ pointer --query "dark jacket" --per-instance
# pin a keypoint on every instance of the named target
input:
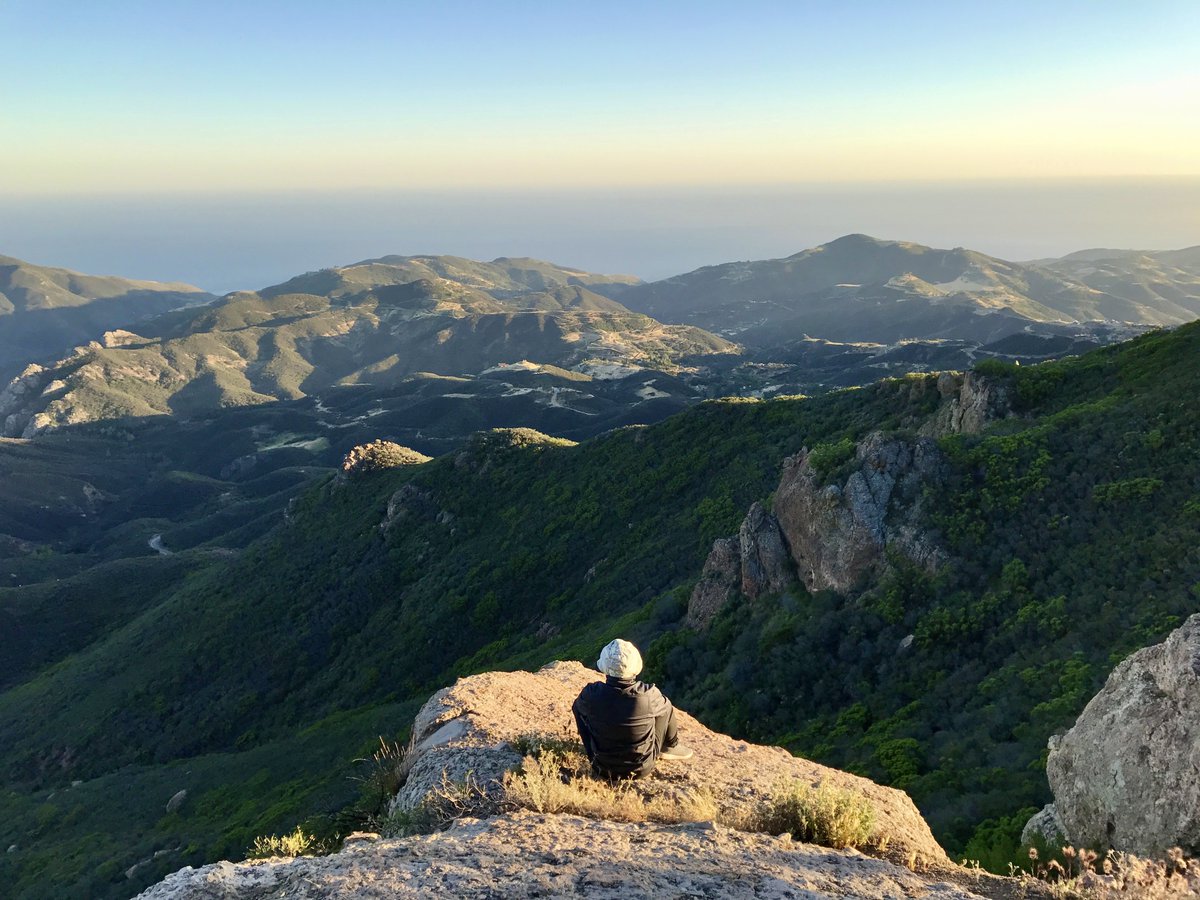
(617, 722)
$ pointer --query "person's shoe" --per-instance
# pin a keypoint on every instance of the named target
(677, 752)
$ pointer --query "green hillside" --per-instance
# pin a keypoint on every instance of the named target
(254, 680)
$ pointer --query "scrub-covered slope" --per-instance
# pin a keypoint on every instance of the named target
(1067, 537)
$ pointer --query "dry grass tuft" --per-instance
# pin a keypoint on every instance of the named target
(557, 782)
(1083, 875)
(450, 800)
(823, 815)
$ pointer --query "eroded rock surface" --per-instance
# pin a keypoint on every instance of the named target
(838, 533)
(970, 402)
(765, 561)
(755, 561)
(1045, 826)
(471, 727)
(720, 579)
(527, 854)
(1127, 775)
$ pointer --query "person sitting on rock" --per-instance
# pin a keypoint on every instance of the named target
(626, 725)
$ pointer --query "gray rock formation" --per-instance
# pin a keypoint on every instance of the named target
(719, 581)
(20, 393)
(970, 402)
(176, 801)
(408, 503)
(472, 726)
(766, 563)
(755, 562)
(1127, 775)
(839, 533)
(1043, 825)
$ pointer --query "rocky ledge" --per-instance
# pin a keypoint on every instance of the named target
(526, 854)
(474, 727)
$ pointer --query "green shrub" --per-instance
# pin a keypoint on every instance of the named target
(824, 458)
(823, 815)
(1125, 491)
(298, 843)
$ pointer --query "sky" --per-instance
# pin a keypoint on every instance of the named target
(186, 106)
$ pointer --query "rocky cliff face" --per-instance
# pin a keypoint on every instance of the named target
(755, 561)
(969, 402)
(766, 564)
(472, 726)
(21, 393)
(832, 534)
(839, 533)
(1127, 775)
(720, 580)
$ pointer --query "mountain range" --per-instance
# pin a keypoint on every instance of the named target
(446, 331)
(45, 311)
(194, 599)
(857, 288)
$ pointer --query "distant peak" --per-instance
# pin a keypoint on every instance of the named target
(855, 238)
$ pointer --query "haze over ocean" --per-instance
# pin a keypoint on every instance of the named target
(238, 240)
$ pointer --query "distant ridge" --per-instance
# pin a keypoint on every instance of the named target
(858, 287)
(45, 310)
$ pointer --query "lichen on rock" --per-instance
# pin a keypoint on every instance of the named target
(1127, 774)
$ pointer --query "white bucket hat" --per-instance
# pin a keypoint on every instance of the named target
(620, 659)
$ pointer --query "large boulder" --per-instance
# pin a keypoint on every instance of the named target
(469, 730)
(839, 532)
(472, 727)
(1127, 775)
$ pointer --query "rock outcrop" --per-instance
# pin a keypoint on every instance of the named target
(1127, 775)
(1043, 825)
(526, 855)
(409, 503)
(970, 401)
(720, 580)
(21, 392)
(756, 561)
(766, 564)
(472, 726)
(839, 533)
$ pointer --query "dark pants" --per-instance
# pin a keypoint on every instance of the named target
(666, 737)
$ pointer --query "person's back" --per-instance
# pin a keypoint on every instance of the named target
(626, 725)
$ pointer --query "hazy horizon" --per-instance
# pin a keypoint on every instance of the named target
(244, 240)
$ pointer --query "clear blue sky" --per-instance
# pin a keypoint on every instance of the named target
(122, 95)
